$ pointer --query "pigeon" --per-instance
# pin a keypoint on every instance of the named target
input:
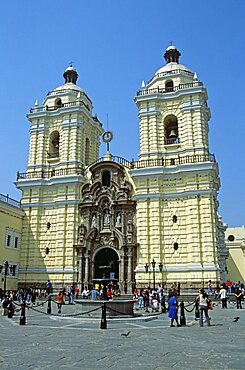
(125, 334)
(236, 319)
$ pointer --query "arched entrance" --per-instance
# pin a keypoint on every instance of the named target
(106, 265)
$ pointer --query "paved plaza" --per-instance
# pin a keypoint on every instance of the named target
(73, 342)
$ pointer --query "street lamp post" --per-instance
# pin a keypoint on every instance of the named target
(161, 269)
(6, 265)
(153, 264)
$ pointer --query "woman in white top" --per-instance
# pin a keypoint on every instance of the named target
(203, 306)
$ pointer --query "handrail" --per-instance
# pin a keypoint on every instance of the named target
(158, 162)
(11, 201)
(46, 174)
(171, 72)
(47, 108)
(158, 90)
(65, 91)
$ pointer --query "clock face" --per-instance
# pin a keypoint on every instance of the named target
(107, 136)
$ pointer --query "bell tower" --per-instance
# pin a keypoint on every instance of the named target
(64, 139)
(173, 112)
(176, 179)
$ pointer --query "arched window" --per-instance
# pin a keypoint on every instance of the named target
(54, 144)
(87, 145)
(169, 86)
(58, 103)
(106, 177)
(171, 134)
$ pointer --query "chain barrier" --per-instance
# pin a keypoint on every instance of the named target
(67, 315)
(28, 304)
(18, 310)
(190, 304)
(116, 311)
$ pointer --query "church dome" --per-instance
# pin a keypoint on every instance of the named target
(70, 75)
(171, 56)
(172, 66)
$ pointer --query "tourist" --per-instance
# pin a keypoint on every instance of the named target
(239, 296)
(71, 295)
(109, 293)
(229, 285)
(85, 293)
(59, 300)
(223, 296)
(203, 306)
(141, 299)
(48, 287)
(173, 309)
(93, 294)
(76, 292)
(210, 288)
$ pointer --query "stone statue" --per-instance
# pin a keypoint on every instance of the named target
(118, 220)
(106, 218)
(94, 221)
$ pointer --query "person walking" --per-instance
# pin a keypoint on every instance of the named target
(48, 287)
(203, 307)
(173, 310)
(223, 296)
(141, 299)
(210, 288)
(59, 300)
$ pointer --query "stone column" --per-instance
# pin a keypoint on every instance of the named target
(80, 271)
(86, 269)
(130, 270)
(121, 270)
(92, 270)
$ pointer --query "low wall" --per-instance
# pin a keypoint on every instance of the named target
(118, 307)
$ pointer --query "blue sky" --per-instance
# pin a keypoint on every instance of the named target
(114, 45)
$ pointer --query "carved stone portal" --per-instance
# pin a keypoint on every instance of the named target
(107, 244)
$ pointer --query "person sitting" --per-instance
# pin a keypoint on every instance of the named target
(109, 293)
(85, 293)
(217, 293)
(93, 294)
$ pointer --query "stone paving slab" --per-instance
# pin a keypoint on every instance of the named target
(79, 343)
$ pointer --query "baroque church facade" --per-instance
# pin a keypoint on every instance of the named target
(90, 219)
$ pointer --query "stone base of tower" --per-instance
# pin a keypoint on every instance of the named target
(192, 279)
(39, 280)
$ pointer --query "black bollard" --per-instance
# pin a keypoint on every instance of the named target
(49, 305)
(23, 313)
(182, 314)
(103, 323)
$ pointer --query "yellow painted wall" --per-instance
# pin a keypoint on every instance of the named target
(236, 259)
(11, 220)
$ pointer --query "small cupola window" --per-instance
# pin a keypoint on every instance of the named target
(58, 103)
(106, 178)
(169, 86)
